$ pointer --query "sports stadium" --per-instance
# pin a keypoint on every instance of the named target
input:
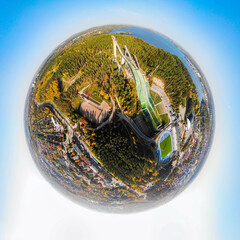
(164, 146)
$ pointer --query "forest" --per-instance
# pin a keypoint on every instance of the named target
(178, 82)
(123, 154)
(89, 60)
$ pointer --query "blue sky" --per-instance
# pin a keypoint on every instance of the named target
(208, 30)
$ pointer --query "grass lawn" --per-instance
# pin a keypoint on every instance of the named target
(155, 97)
(76, 102)
(97, 97)
(94, 93)
(81, 87)
(161, 109)
(166, 146)
(165, 118)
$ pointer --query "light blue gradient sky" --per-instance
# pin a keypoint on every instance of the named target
(209, 31)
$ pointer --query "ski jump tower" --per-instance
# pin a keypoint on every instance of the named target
(126, 56)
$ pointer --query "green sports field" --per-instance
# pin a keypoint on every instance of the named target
(166, 146)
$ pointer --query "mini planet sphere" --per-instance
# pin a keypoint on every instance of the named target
(119, 118)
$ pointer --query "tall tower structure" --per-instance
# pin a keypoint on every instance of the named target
(115, 48)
